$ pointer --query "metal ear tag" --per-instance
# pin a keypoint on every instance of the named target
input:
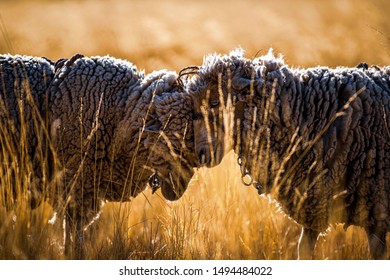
(154, 182)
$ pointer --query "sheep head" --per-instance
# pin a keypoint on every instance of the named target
(217, 89)
(170, 136)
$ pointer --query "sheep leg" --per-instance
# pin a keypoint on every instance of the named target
(79, 244)
(74, 237)
(67, 234)
(307, 242)
(377, 242)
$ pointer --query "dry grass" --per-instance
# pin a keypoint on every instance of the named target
(217, 218)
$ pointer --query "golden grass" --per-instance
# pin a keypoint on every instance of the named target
(218, 217)
(174, 34)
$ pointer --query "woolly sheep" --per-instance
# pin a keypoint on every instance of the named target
(24, 82)
(113, 131)
(316, 139)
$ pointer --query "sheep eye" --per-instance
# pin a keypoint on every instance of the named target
(214, 103)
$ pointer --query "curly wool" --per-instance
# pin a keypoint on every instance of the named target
(111, 128)
(342, 177)
(24, 84)
(350, 161)
(101, 110)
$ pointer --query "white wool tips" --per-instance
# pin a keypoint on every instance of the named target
(270, 56)
(238, 52)
(270, 53)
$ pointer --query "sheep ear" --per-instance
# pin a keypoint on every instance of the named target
(153, 126)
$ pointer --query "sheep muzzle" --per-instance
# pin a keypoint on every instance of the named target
(174, 185)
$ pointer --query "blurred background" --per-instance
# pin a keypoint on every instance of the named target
(175, 33)
(217, 218)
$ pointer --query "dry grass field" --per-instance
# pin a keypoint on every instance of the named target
(218, 217)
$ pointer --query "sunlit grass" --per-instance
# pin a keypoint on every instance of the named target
(217, 218)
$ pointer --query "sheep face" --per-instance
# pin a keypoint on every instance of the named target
(171, 159)
(170, 140)
(209, 130)
(214, 89)
(172, 176)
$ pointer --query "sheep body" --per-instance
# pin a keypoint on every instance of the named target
(103, 139)
(353, 152)
(323, 166)
(24, 85)
(100, 115)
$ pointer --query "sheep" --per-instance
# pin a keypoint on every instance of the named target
(24, 82)
(316, 140)
(113, 131)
